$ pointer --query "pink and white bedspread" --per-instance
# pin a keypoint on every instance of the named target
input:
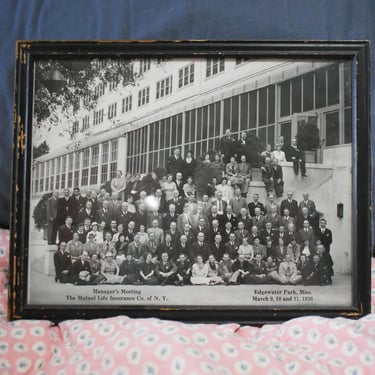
(122, 345)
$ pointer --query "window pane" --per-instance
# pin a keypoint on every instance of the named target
(271, 104)
(235, 113)
(173, 130)
(271, 135)
(253, 110)
(205, 122)
(151, 127)
(227, 113)
(296, 95)
(263, 106)
(179, 128)
(187, 126)
(348, 125)
(332, 129)
(162, 133)
(308, 92)
(286, 131)
(285, 99)
(217, 118)
(333, 84)
(244, 111)
(212, 121)
(262, 134)
(348, 83)
(167, 132)
(192, 131)
(199, 123)
(156, 135)
(320, 88)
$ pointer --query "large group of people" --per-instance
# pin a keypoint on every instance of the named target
(171, 235)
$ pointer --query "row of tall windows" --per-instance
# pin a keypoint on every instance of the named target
(325, 93)
(91, 166)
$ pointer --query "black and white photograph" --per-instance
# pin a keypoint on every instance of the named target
(192, 181)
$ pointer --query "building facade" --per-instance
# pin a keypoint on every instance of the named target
(189, 104)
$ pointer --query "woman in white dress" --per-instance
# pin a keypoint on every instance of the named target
(189, 188)
(278, 154)
(169, 188)
(226, 190)
(199, 272)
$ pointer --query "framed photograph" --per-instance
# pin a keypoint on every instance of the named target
(200, 181)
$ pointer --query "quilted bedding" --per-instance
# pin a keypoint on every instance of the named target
(122, 345)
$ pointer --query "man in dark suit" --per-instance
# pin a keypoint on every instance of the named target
(170, 216)
(307, 202)
(255, 232)
(179, 202)
(295, 155)
(274, 218)
(266, 233)
(286, 219)
(183, 247)
(63, 208)
(230, 217)
(306, 233)
(174, 163)
(245, 218)
(166, 270)
(258, 219)
(76, 204)
(166, 246)
(241, 233)
(86, 213)
(160, 200)
(227, 231)
(200, 247)
(214, 216)
(217, 248)
(304, 215)
(51, 211)
(104, 214)
(324, 235)
(202, 228)
(140, 217)
(180, 185)
(214, 230)
(123, 216)
(267, 175)
(254, 204)
(237, 202)
(66, 231)
(62, 261)
(231, 247)
(220, 204)
(278, 182)
(291, 204)
(227, 146)
(174, 233)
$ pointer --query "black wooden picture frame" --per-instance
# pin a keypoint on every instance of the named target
(267, 89)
